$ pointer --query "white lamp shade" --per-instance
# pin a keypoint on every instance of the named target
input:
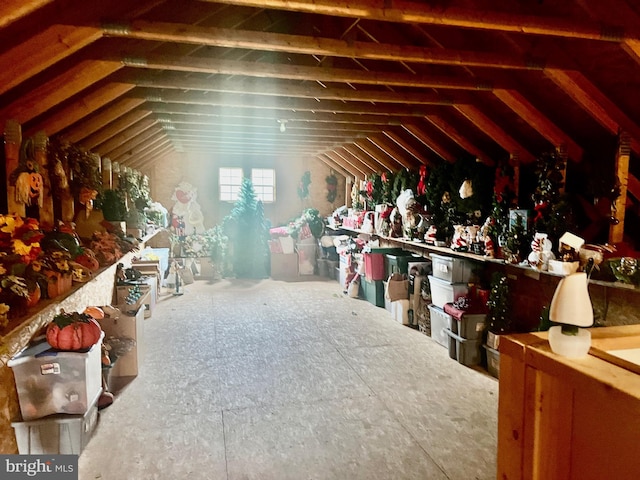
(571, 304)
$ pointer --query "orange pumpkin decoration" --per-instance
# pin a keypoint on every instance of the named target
(95, 312)
(73, 332)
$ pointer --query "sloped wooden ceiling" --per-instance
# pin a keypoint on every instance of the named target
(363, 86)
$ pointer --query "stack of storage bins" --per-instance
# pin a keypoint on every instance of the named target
(448, 282)
(465, 335)
(58, 394)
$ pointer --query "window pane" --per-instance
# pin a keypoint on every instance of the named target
(230, 180)
(264, 180)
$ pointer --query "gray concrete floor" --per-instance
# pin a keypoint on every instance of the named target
(275, 380)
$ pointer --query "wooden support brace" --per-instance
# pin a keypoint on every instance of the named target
(616, 231)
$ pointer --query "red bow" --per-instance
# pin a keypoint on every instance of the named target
(369, 188)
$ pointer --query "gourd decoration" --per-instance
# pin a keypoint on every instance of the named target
(73, 332)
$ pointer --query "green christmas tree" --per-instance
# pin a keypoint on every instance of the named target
(498, 303)
(248, 235)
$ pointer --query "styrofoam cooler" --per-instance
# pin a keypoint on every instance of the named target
(451, 269)
(440, 322)
(443, 292)
(49, 381)
(56, 434)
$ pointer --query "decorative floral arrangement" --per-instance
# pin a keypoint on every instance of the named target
(332, 187)
(83, 166)
(19, 238)
(109, 247)
(196, 245)
(57, 261)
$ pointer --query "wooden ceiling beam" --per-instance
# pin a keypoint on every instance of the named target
(149, 134)
(397, 138)
(114, 128)
(423, 13)
(591, 99)
(344, 170)
(294, 72)
(266, 102)
(355, 157)
(281, 89)
(206, 122)
(55, 91)
(273, 115)
(42, 50)
(494, 131)
(12, 10)
(356, 170)
(537, 120)
(402, 158)
(123, 131)
(79, 131)
(263, 131)
(459, 138)
(313, 45)
(77, 110)
(381, 158)
(248, 140)
(429, 142)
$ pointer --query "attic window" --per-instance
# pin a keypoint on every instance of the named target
(264, 183)
(230, 180)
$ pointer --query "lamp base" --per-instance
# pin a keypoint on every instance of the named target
(572, 346)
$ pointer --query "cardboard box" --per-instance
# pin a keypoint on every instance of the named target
(129, 325)
(149, 286)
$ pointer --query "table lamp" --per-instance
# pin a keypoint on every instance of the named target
(571, 308)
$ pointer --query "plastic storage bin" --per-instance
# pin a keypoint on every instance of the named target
(493, 361)
(451, 269)
(374, 266)
(372, 291)
(469, 326)
(398, 262)
(50, 382)
(465, 351)
(444, 292)
(129, 325)
(56, 434)
(440, 322)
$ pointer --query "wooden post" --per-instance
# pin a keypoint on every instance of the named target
(348, 185)
(514, 161)
(12, 143)
(107, 180)
(616, 231)
(40, 141)
(115, 175)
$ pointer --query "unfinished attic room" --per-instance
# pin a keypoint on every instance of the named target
(320, 240)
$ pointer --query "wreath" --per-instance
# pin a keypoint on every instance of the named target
(332, 187)
(196, 246)
(303, 186)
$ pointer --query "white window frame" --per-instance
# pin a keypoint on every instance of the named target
(264, 185)
(229, 183)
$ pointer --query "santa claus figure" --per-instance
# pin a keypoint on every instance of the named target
(186, 214)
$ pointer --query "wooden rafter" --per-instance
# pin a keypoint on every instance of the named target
(291, 72)
(76, 110)
(590, 98)
(430, 142)
(385, 161)
(12, 10)
(493, 130)
(353, 151)
(332, 163)
(79, 131)
(402, 142)
(537, 120)
(399, 156)
(43, 50)
(302, 44)
(57, 90)
(147, 135)
(414, 12)
(450, 131)
(356, 171)
(119, 133)
(351, 159)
